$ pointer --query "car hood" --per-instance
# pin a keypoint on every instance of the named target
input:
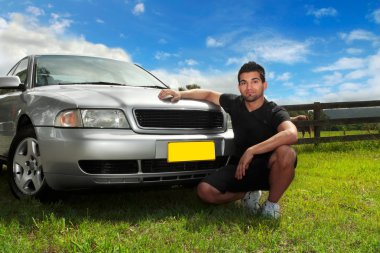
(43, 104)
(104, 96)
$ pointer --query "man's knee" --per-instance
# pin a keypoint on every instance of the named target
(284, 157)
(206, 192)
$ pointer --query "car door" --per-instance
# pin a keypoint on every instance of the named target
(10, 103)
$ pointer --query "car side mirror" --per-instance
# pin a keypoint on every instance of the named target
(10, 82)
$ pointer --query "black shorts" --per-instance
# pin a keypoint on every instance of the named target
(256, 177)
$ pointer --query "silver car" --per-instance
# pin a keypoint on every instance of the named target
(71, 122)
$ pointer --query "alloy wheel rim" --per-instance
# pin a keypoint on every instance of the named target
(27, 168)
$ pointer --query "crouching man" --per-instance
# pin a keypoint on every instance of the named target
(263, 134)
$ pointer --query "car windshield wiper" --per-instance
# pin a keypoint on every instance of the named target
(111, 83)
(152, 86)
(95, 83)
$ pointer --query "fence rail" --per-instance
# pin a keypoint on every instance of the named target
(317, 122)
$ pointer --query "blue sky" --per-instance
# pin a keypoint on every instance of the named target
(312, 50)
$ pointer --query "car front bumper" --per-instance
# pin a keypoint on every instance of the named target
(84, 158)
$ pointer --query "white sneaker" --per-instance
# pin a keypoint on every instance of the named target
(271, 210)
(251, 201)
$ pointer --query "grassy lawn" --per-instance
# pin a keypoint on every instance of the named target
(338, 133)
(332, 206)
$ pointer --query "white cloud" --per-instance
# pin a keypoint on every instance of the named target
(323, 12)
(359, 34)
(334, 78)
(234, 60)
(212, 42)
(162, 41)
(360, 84)
(288, 84)
(273, 50)
(218, 81)
(376, 16)
(100, 21)
(374, 64)
(3, 24)
(373, 89)
(181, 77)
(222, 40)
(22, 35)
(323, 90)
(302, 92)
(351, 79)
(59, 23)
(349, 87)
(191, 62)
(357, 74)
(270, 75)
(260, 47)
(138, 9)
(345, 63)
(163, 55)
(354, 50)
(284, 77)
(35, 11)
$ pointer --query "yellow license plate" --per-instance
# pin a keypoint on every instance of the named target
(191, 151)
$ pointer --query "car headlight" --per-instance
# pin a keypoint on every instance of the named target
(92, 118)
(229, 124)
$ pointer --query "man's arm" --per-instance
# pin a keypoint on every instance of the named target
(287, 135)
(196, 94)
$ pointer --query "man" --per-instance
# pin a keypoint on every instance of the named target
(263, 134)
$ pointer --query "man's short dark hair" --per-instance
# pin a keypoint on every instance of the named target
(250, 67)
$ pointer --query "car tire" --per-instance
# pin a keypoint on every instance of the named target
(25, 173)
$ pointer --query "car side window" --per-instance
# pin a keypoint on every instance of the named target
(22, 71)
(10, 73)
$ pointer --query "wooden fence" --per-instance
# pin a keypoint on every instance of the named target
(317, 122)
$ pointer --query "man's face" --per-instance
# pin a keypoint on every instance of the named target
(251, 87)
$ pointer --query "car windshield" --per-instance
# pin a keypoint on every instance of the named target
(65, 69)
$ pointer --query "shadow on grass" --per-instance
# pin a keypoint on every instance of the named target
(129, 205)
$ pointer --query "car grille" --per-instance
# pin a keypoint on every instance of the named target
(147, 166)
(161, 165)
(179, 119)
(109, 166)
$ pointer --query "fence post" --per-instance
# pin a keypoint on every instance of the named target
(317, 116)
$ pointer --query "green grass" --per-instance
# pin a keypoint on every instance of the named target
(339, 133)
(333, 205)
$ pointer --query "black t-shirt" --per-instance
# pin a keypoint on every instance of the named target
(253, 127)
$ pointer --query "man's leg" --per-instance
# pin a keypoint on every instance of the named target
(210, 194)
(281, 164)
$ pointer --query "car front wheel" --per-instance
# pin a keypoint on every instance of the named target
(26, 176)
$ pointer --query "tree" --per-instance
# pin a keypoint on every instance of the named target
(189, 87)
(192, 86)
